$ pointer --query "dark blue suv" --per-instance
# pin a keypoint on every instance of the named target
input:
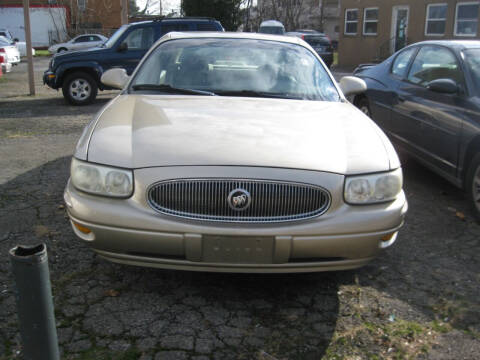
(78, 72)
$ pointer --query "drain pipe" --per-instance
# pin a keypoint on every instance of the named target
(34, 302)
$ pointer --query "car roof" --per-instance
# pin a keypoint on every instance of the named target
(234, 35)
(271, 23)
(454, 44)
(180, 19)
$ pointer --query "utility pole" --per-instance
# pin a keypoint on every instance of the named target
(28, 41)
(124, 13)
(160, 5)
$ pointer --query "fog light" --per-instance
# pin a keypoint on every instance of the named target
(387, 237)
(82, 229)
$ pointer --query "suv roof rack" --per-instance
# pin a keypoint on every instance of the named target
(185, 18)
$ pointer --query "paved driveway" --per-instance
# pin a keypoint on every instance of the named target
(420, 300)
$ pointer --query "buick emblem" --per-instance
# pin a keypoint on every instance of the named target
(239, 199)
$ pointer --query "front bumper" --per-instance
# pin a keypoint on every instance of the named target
(130, 232)
(50, 79)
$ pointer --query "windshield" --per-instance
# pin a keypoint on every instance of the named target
(116, 35)
(236, 67)
(4, 41)
(472, 59)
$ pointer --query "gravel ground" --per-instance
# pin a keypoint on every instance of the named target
(419, 300)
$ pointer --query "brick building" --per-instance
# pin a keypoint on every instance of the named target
(371, 30)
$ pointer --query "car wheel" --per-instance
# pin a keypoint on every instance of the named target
(79, 88)
(61, 50)
(364, 107)
(473, 185)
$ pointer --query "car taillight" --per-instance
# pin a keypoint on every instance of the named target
(2, 50)
(2, 59)
(303, 37)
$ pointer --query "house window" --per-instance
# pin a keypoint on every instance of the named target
(82, 5)
(351, 21)
(436, 19)
(370, 21)
(466, 19)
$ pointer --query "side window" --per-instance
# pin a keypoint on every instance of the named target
(140, 39)
(400, 64)
(94, 38)
(432, 63)
(81, 39)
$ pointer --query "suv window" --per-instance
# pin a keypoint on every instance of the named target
(401, 62)
(432, 63)
(140, 39)
(166, 28)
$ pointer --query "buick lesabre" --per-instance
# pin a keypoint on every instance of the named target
(234, 152)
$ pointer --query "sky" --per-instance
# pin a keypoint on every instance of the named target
(167, 6)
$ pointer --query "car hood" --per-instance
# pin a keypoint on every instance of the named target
(90, 53)
(136, 131)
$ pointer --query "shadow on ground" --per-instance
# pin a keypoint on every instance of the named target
(104, 309)
(22, 107)
(423, 292)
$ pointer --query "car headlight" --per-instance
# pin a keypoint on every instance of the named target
(101, 180)
(375, 188)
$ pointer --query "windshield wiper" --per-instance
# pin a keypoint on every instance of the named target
(252, 93)
(170, 89)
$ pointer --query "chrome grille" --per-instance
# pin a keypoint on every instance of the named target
(207, 199)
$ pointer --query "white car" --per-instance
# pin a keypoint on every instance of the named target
(9, 51)
(22, 48)
(80, 42)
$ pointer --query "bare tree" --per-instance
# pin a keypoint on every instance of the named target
(289, 12)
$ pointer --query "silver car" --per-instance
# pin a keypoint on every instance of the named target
(80, 42)
(234, 152)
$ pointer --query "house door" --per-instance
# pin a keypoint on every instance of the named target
(399, 27)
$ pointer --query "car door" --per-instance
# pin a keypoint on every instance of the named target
(381, 90)
(429, 123)
(130, 49)
(95, 41)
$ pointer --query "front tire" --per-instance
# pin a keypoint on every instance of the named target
(364, 107)
(79, 88)
(473, 185)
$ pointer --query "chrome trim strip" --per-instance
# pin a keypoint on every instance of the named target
(300, 196)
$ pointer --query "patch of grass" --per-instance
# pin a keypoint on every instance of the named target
(42, 53)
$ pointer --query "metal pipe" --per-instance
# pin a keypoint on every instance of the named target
(34, 302)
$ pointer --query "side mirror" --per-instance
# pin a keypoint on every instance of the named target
(16, 40)
(445, 86)
(116, 78)
(122, 47)
(351, 85)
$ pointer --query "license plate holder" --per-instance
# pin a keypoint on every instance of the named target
(237, 249)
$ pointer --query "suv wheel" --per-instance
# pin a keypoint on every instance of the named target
(79, 88)
(473, 185)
